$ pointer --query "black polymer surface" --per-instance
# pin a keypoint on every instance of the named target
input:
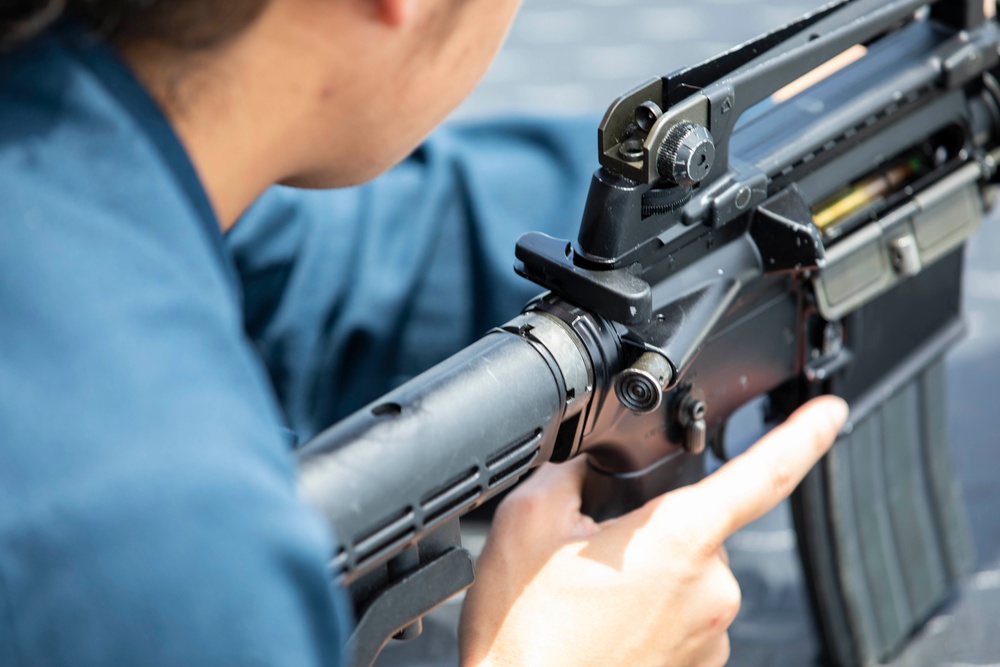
(569, 56)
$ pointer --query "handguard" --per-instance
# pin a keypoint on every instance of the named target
(733, 245)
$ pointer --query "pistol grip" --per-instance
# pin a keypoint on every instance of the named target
(610, 494)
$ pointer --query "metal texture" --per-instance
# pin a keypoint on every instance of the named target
(685, 277)
(579, 56)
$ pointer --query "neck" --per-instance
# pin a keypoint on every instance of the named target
(297, 96)
(238, 133)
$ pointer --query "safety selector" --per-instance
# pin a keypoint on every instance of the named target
(691, 416)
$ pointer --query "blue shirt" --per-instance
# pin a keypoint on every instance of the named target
(148, 365)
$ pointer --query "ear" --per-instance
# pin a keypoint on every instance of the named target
(396, 13)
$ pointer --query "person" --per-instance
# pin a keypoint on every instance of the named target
(170, 314)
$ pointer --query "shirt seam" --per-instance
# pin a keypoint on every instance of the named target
(104, 62)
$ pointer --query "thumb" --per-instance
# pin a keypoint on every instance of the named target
(562, 480)
(547, 504)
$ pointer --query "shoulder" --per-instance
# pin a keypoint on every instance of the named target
(119, 302)
(147, 503)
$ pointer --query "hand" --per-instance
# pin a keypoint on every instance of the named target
(651, 587)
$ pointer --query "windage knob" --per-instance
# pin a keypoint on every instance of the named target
(686, 155)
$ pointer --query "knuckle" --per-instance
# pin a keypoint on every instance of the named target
(706, 546)
(781, 478)
(689, 537)
(522, 502)
(726, 599)
(699, 522)
(730, 602)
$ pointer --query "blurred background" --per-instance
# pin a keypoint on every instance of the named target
(575, 56)
(567, 56)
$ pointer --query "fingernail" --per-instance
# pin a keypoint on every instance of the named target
(839, 411)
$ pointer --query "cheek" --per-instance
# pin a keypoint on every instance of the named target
(472, 56)
(347, 159)
(426, 85)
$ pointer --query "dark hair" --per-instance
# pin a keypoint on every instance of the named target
(185, 24)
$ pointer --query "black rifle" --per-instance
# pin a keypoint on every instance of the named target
(810, 246)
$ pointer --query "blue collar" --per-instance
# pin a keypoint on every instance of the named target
(105, 62)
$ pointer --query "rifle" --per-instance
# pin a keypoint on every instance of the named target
(732, 247)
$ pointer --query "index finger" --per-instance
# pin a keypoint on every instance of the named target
(754, 482)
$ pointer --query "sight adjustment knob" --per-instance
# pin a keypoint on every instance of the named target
(686, 155)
